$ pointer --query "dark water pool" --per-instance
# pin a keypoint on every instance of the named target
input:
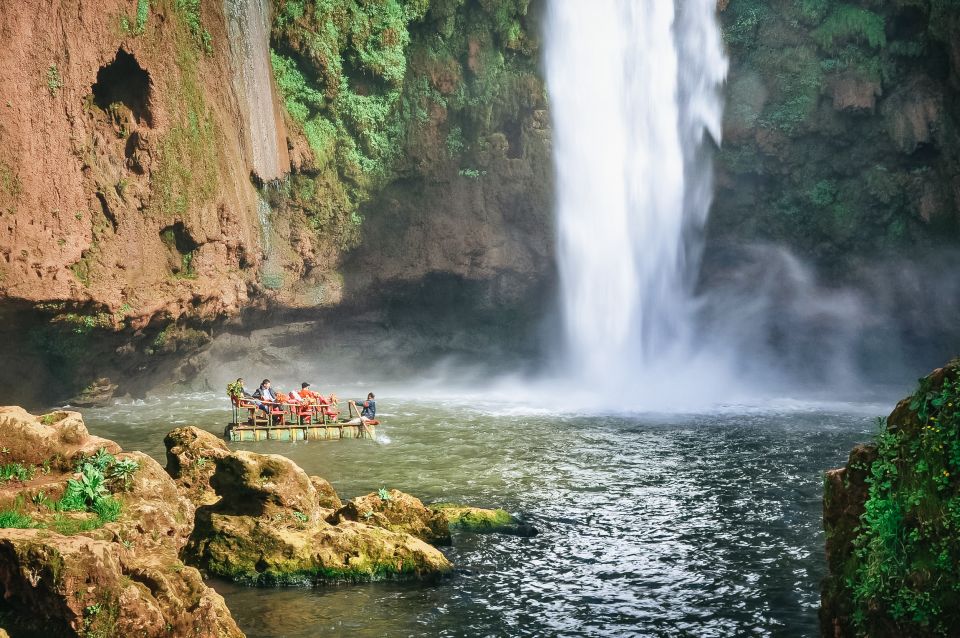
(705, 525)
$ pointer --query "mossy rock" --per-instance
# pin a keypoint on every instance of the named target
(397, 512)
(892, 518)
(271, 552)
(477, 520)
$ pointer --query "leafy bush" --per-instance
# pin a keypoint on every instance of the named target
(123, 471)
(88, 489)
(15, 472)
(909, 544)
(847, 23)
(101, 460)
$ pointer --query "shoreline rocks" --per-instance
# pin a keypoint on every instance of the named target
(272, 524)
(69, 572)
(97, 541)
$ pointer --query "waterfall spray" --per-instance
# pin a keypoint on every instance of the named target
(634, 89)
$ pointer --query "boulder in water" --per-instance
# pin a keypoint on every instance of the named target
(477, 520)
(269, 525)
(398, 512)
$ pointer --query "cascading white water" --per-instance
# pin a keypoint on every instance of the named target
(249, 34)
(634, 86)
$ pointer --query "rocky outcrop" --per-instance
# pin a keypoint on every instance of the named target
(890, 517)
(476, 520)
(271, 525)
(56, 438)
(108, 566)
(398, 512)
(190, 456)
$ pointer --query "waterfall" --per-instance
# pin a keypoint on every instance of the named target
(634, 92)
(248, 28)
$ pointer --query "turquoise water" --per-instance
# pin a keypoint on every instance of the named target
(700, 524)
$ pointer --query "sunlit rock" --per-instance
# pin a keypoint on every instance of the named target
(398, 512)
(482, 521)
(267, 524)
(109, 564)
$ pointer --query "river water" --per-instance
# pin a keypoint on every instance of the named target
(652, 524)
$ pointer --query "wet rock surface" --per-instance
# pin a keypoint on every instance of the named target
(271, 525)
(84, 571)
(478, 520)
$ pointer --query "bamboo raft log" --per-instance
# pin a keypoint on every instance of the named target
(240, 432)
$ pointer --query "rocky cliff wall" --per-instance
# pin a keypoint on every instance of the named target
(841, 128)
(892, 521)
(123, 184)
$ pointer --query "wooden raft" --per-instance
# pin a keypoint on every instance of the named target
(239, 432)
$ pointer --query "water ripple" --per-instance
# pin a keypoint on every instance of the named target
(704, 525)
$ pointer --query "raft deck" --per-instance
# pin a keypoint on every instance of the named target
(292, 432)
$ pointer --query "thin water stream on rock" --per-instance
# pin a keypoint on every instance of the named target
(701, 524)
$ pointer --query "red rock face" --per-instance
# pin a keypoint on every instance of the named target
(122, 174)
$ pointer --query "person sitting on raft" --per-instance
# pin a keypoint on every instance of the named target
(237, 391)
(369, 412)
(307, 394)
(264, 393)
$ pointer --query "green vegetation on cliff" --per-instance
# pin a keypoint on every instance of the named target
(382, 90)
(188, 169)
(893, 522)
(909, 543)
(856, 94)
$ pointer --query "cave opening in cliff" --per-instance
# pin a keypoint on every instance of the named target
(126, 83)
(180, 246)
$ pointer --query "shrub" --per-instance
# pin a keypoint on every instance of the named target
(847, 23)
(909, 543)
(123, 471)
(16, 520)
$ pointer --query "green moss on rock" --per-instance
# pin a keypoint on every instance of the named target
(892, 518)
(477, 520)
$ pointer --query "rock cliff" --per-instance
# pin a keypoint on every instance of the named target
(892, 520)
(141, 203)
(841, 128)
